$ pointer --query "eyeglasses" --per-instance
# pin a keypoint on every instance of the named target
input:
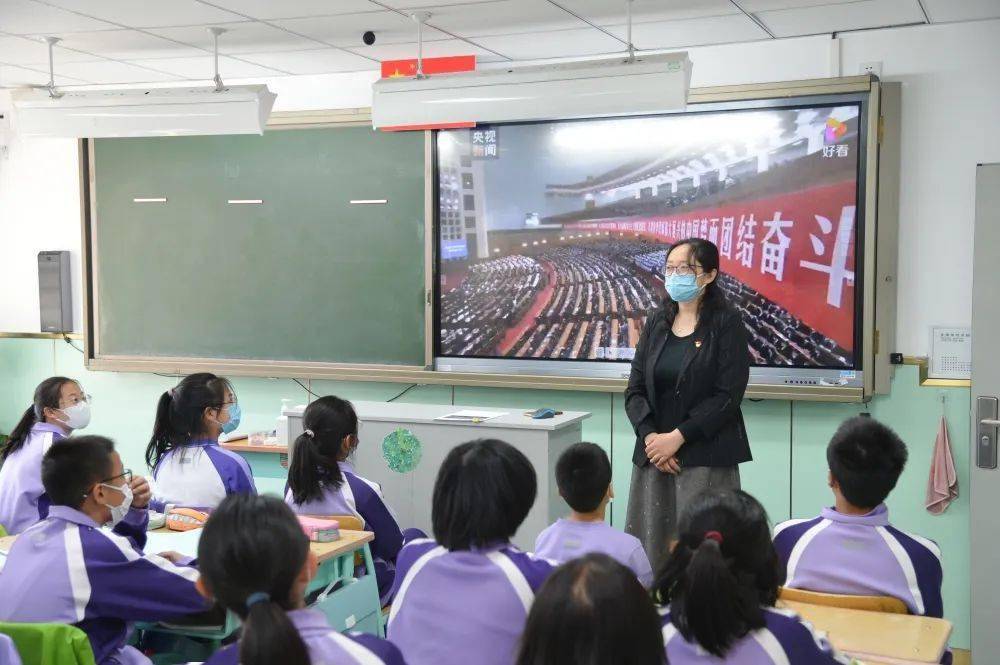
(126, 474)
(683, 270)
(76, 399)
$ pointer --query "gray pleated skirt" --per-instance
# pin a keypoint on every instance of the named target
(657, 499)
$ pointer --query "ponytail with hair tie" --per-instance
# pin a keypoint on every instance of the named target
(316, 452)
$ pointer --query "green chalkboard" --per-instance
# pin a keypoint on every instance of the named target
(304, 276)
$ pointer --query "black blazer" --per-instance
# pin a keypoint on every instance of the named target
(713, 378)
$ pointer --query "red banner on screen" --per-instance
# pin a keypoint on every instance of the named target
(796, 249)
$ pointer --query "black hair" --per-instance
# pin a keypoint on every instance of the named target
(47, 394)
(179, 413)
(327, 422)
(866, 459)
(722, 571)
(706, 254)
(484, 490)
(72, 466)
(592, 611)
(254, 544)
(583, 474)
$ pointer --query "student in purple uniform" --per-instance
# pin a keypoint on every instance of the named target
(464, 598)
(255, 560)
(583, 474)
(718, 588)
(60, 406)
(322, 482)
(189, 466)
(67, 569)
(592, 611)
(851, 548)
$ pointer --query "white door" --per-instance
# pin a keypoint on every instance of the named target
(985, 474)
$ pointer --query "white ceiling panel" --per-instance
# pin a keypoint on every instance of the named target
(245, 37)
(835, 18)
(126, 45)
(346, 29)
(22, 17)
(271, 9)
(31, 50)
(506, 17)
(316, 61)
(766, 5)
(612, 12)
(12, 77)
(437, 49)
(113, 72)
(431, 5)
(556, 44)
(692, 32)
(942, 11)
(148, 13)
(202, 68)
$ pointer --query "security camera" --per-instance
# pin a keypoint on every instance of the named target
(368, 38)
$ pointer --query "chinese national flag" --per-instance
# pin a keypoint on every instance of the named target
(446, 65)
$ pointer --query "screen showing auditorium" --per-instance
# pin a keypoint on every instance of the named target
(552, 236)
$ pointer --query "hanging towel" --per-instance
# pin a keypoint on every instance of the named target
(942, 484)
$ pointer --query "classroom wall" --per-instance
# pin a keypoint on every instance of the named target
(948, 74)
(789, 439)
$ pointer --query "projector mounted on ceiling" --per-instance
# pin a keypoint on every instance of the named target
(153, 112)
(47, 111)
(591, 89)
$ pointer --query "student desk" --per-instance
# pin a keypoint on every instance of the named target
(409, 494)
(348, 601)
(875, 637)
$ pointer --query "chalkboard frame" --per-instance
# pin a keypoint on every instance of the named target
(875, 318)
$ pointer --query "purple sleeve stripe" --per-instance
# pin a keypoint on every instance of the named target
(785, 540)
(233, 469)
(387, 652)
(115, 571)
(927, 567)
(388, 537)
(534, 569)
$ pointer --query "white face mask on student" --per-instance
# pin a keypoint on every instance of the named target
(119, 512)
(77, 416)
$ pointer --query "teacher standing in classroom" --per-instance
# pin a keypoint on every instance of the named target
(688, 378)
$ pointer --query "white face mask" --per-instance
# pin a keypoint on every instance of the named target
(119, 512)
(77, 416)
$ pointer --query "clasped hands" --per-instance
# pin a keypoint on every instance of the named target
(661, 449)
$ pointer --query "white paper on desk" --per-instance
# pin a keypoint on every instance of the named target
(182, 542)
(471, 415)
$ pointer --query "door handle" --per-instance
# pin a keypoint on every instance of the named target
(988, 413)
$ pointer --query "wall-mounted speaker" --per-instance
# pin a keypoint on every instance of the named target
(55, 295)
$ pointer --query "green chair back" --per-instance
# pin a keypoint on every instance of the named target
(49, 643)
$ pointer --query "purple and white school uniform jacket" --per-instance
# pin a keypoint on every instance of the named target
(785, 639)
(861, 555)
(362, 498)
(8, 651)
(200, 475)
(565, 540)
(465, 606)
(23, 500)
(326, 646)
(67, 569)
